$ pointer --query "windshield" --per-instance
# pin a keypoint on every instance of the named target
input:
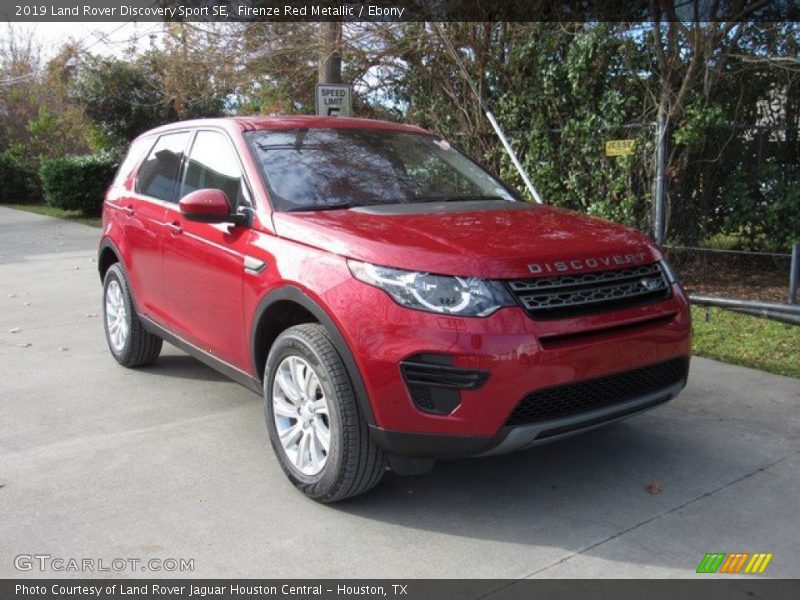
(319, 169)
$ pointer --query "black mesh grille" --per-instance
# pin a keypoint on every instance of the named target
(422, 397)
(564, 295)
(575, 398)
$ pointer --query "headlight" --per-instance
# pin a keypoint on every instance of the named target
(463, 296)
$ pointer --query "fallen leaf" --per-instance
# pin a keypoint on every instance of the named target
(654, 488)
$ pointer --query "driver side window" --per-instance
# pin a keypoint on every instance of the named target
(212, 164)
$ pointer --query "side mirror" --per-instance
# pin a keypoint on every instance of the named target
(209, 206)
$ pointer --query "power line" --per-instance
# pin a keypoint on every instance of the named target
(103, 37)
(18, 78)
(100, 37)
(32, 74)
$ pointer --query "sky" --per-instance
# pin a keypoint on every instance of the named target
(103, 38)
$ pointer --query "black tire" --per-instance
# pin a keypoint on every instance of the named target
(354, 463)
(140, 347)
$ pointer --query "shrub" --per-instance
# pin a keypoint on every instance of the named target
(763, 207)
(77, 182)
(18, 182)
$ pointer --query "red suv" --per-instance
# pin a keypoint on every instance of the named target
(393, 301)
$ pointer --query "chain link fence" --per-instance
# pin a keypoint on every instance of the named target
(731, 202)
(733, 212)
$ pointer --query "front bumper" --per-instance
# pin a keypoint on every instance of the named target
(520, 354)
(521, 437)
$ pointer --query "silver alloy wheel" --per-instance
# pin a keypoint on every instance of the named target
(300, 411)
(117, 322)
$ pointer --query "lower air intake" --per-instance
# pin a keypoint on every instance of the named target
(575, 398)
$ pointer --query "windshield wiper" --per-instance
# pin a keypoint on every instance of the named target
(316, 207)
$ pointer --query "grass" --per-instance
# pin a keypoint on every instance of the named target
(75, 216)
(748, 341)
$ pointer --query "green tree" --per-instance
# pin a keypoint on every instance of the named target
(121, 98)
(124, 98)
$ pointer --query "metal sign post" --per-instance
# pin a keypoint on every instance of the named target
(794, 275)
(513, 156)
(659, 192)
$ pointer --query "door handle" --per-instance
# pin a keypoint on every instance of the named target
(128, 210)
(174, 228)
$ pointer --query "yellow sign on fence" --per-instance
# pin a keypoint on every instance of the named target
(620, 147)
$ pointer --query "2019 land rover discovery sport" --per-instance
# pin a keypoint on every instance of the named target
(393, 301)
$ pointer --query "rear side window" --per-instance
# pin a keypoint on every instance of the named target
(133, 158)
(213, 164)
(158, 175)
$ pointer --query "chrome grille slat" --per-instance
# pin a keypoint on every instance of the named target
(554, 296)
(589, 295)
(562, 281)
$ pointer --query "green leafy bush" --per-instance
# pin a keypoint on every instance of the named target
(78, 182)
(18, 182)
(762, 207)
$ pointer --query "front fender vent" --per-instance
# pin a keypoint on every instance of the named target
(442, 376)
(434, 383)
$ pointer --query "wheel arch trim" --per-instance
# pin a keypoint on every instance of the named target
(294, 294)
(108, 244)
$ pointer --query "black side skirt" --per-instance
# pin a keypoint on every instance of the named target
(240, 377)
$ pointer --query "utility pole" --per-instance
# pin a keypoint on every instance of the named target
(330, 57)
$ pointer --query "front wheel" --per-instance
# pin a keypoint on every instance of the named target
(316, 429)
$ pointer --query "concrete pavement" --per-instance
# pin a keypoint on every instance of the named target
(173, 461)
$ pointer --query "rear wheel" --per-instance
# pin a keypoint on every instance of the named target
(319, 436)
(130, 343)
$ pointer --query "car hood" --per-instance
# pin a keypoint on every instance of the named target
(489, 239)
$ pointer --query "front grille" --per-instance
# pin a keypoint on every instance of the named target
(581, 293)
(575, 398)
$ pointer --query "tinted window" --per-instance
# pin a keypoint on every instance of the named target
(134, 156)
(158, 175)
(314, 168)
(213, 164)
